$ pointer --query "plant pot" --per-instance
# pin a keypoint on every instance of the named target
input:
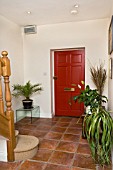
(97, 167)
(28, 104)
(88, 110)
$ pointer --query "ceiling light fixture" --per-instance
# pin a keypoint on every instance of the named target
(28, 12)
(74, 12)
(76, 5)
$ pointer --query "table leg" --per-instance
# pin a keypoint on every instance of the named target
(31, 116)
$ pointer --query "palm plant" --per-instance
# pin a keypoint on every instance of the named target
(99, 76)
(26, 90)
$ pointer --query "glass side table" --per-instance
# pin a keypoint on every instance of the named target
(35, 109)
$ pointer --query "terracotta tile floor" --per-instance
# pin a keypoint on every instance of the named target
(61, 145)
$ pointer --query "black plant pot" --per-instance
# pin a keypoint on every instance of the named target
(27, 103)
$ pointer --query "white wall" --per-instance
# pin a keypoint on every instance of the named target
(11, 41)
(89, 34)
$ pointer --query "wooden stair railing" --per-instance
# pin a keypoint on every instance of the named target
(4, 124)
(7, 118)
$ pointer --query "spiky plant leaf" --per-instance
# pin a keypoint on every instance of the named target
(26, 90)
(99, 76)
(98, 128)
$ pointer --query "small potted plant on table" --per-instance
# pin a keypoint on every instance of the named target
(26, 90)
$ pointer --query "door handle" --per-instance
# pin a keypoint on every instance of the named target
(69, 89)
(55, 77)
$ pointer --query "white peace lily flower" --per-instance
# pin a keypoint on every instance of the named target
(79, 86)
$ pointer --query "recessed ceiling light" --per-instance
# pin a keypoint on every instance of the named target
(74, 11)
(28, 12)
(76, 5)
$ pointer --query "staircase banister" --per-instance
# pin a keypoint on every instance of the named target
(6, 72)
(4, 124)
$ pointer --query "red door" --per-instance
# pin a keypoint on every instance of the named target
(69, 70)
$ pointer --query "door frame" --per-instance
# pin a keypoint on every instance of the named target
(52, 74)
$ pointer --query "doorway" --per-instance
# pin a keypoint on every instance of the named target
(69, 70)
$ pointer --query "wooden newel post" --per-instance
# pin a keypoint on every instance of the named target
(6, 72)
(1, 96)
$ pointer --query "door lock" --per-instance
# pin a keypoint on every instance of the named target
(55, 77)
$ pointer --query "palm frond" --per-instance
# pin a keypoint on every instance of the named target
(26, 90)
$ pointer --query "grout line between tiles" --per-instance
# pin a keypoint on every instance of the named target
(20, 165)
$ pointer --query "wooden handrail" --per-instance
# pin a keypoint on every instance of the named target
(1, 96)
(4, 124)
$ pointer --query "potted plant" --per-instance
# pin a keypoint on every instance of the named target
(26, 90)
(99, 76)
(97, 126)
(90, 97)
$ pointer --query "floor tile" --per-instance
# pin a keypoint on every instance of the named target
(76, 168)
(58, 129)
(56, 167)
(44, 119)
(44, 127)
(83, 140)
(84, 149)
(50, 123)
(56, 119)
(64, 119)
(9, 165)
(60, 140)
(74, 131)
(84, 161)
(67, 146)
(48, 144)
(62, 124)
(25, 120)
(71, 137)
(53, 135)
(77, 125)
(32, 165)
(24, 131)
(80, 120)
(63, 158)
(36, 122)
(75, 120)
(42, 155)
(38, 134)
(29, 126)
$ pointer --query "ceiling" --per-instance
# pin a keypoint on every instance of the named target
(53, 11)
